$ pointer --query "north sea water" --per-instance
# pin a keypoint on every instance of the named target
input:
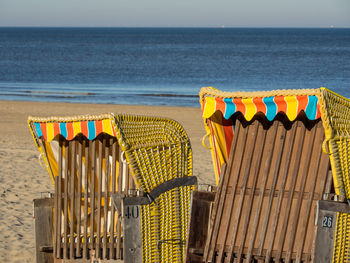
(167, 66)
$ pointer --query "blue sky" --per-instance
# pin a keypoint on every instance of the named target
(173, 13)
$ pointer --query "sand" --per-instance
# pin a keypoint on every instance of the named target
(22, 179)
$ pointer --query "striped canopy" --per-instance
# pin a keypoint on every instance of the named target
(69, 130)
(269, 106)
(220, 127)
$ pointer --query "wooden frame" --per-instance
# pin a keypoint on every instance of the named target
(265, 204)
(85, 168)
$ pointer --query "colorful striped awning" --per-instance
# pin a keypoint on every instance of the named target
(220, 127)
(69, 130)
(270, 106)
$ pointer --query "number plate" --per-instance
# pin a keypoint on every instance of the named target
(327, 221)
(132, 234)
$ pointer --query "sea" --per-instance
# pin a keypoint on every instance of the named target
(167, 66)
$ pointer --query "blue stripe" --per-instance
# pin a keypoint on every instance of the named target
(271, 108)
(311, 108)
(63, 129)
(39, 133)
(91, 129)
(230, 108)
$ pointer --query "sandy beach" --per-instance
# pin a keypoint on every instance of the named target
(22, 179)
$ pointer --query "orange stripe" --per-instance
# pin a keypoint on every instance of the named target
(318, 114)
(302, 103)
(43, 130)
(260, 105)
(204, 102)
(70, 131)
(56, 129)
(84, 128)
(113, 130)
(98, 127)
(239, 105)
(220, 105)
(281, 104)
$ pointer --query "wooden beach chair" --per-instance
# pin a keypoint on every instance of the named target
(92, 159)
(282, 196)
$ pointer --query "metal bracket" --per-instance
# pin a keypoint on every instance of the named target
(129, 209)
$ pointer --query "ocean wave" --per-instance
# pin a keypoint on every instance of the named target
(169, 95)
(39, 95)
(60, 93)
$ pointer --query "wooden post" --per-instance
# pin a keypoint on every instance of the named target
(198, 226)
(326, 218)
(43, 215)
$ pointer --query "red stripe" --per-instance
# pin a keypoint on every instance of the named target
(260, 105)
(98, 127)
(239, 105)
(43, 130)
(70, 131)
(84, 128)
(56, 129)
(220, 105)
(228, 132)
(302, 103)
(281, 104)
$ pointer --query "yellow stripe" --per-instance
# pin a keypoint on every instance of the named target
(209, 108)
(250, 108)
(292, 107)
(76, 128)
(220, 138)
(208, 130)
(107, 126)
(51, 158)
(49, 130)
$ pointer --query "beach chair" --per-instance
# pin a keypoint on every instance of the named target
(282, 196)
(97, 163)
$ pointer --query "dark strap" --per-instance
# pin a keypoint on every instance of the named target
(148, 198)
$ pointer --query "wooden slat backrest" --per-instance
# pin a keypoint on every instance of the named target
(65, 204)
(265, 204)
(86, 185)
(87, 177)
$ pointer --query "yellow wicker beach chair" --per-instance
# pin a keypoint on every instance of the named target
(287, 155)
(93, 158)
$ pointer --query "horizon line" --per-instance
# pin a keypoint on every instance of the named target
(222, 27)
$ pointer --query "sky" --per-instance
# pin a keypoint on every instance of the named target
(175, 13)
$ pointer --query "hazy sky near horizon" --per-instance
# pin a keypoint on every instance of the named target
(173, 13)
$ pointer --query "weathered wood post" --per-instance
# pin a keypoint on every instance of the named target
(201, 203)
(326, 218)
(43, 216)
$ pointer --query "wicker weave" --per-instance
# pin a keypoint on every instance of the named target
(157, 150)
(335, 115)
(336, 120)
